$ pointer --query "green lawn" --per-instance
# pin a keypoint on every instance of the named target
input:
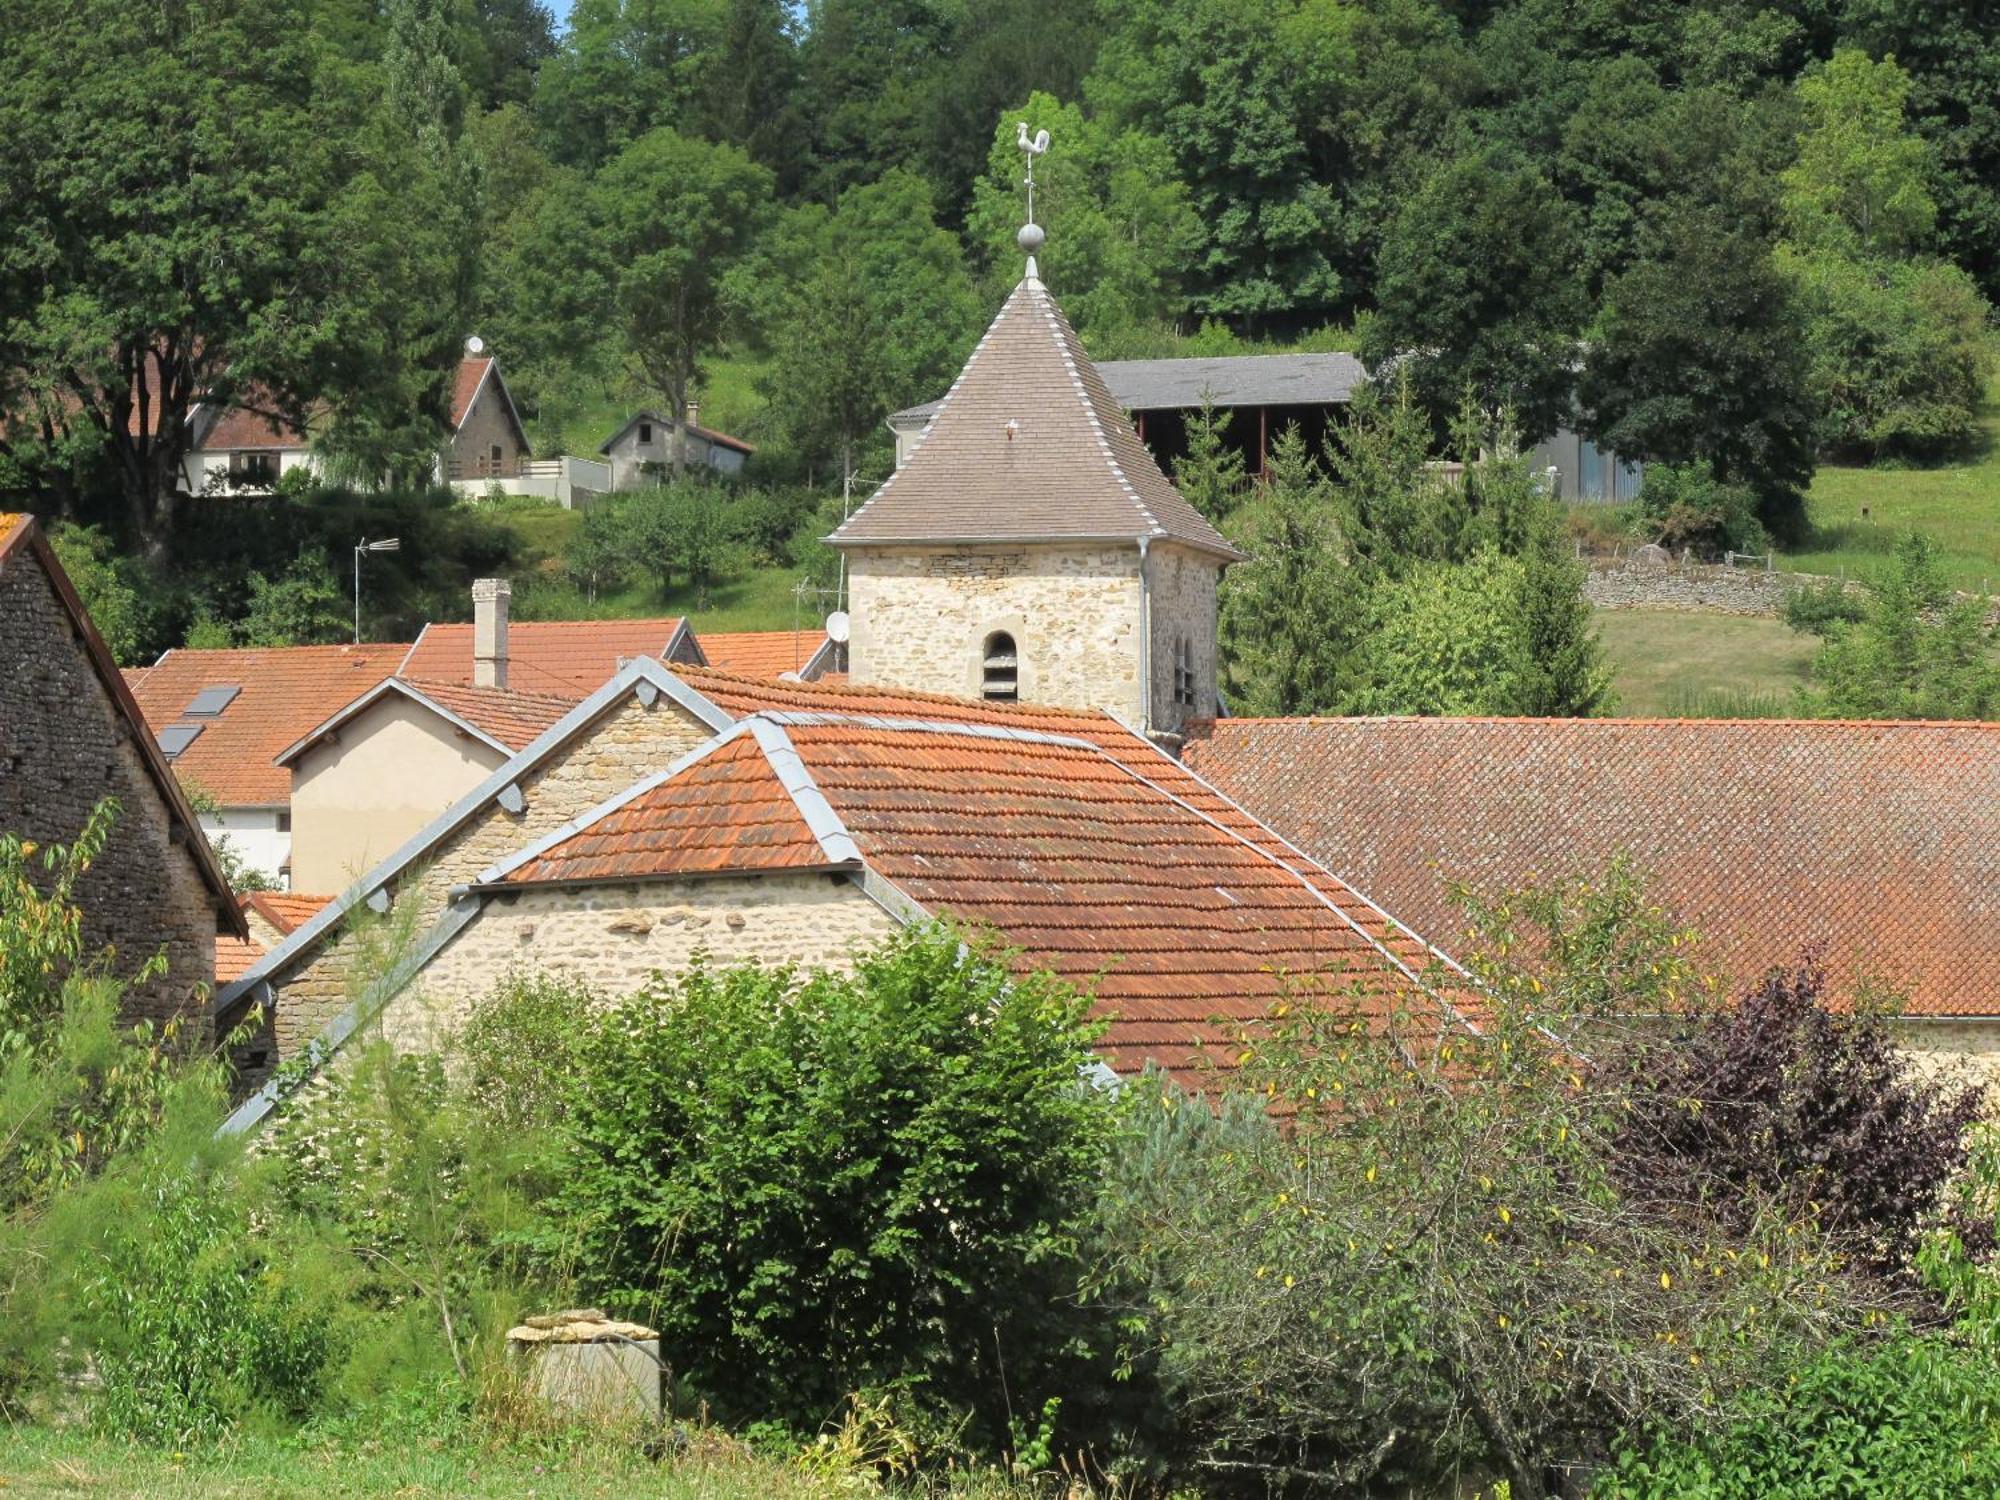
(1672, 663)
(1958, 505)
(41, 1462)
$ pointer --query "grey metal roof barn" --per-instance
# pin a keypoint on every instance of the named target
(1225, 380)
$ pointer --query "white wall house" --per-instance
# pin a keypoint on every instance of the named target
(259, 837)
(642, 450)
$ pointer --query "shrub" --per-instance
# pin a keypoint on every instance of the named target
(1686, 506)
(1917, 652)
(195, 1329)
(1908, 1419)
(1824, 608)
(1779, 1097)
(1899, 354)
(1436, 1266)
(815, 1185)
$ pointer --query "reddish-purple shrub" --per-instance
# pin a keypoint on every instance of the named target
(1783, 1095)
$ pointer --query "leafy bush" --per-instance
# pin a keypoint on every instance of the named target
(1781, 1097)
(1436, 1266)
(1908, 1419)
(1685, 506)
(1824, 608)
(195, 1330)
(1899, 354)
(837, 1183)
(1917, 652)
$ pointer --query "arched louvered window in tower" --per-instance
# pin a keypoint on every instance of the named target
(1184, 672)
(1000, 678)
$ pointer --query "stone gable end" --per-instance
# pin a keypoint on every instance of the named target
(630, 742)
(614, 938)
(63, 747)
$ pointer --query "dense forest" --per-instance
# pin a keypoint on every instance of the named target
(1732, 236)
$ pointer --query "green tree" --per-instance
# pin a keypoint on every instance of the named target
(1919, 651)
(625, 68)
(1862, 177)
(1291, 615)
(303, 606)
(160, 209)
(816, 1184)
(103, 580)
(1698, 355)
(1899, 353)
(880, 317)
(405, 228)
(1209, 78)
(1121, 232)
(1478, 290)
(1210, 474)
(673, 215)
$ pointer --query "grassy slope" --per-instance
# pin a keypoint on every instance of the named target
(1666, 661)
(1959, 506)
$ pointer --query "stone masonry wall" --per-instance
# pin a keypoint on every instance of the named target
(615, 937)
(630, 742)
(63, 747)
(1967, 1050)
(1703, 586)
(1182, 585)
(922, 616)
(486, 425)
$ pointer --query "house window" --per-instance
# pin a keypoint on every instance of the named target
(496, 453)
(1000, 679)
(645, 433)
(1184, 672)
(253, 469)
(284, 822)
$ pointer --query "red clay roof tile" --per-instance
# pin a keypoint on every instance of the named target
(570, 657)
(1099, 863)
(1879, 840)
(286, 691)
(760, 653)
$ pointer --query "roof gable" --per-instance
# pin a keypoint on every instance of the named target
(285, 692)
(500, 718)
(1028, 445)
(1091, 868)
(21, 538)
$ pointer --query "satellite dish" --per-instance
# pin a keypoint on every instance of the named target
(475, 345)
(837, 627)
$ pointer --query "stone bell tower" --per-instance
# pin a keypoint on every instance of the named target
(1031, 548)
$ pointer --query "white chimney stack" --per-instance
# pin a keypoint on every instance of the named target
(490, 597)
(694, 413)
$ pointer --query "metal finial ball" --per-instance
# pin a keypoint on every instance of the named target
(1030, 238)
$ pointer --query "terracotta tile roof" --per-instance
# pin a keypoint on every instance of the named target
(1028, 444)
(1879, 840)
(1088, 861)
(287, 911)
(513, 718)
(237, 428)
(286, 691)
(567, 657)
(465, 385)
(727, 811)
(761, 653)
(234, 956)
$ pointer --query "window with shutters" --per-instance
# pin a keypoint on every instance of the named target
(1000, 678)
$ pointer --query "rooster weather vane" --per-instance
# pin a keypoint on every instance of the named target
(1031, 237)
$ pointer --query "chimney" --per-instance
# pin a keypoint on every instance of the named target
(489, 631)
(694, 413)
